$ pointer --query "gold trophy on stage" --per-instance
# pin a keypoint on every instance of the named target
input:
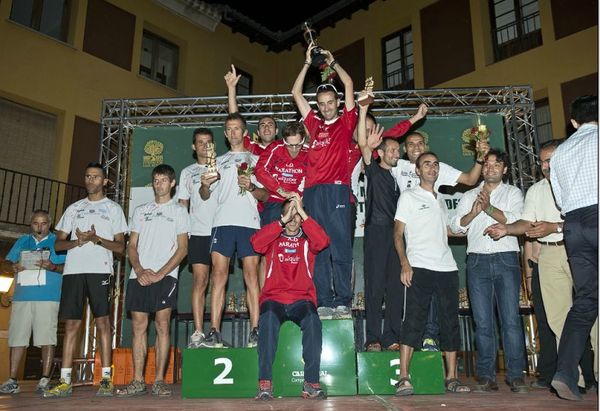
(212, 160)
(367, 97)
(310, 36)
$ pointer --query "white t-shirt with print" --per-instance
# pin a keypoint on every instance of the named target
(233, 208)
(201, 212)
(108, 220)
(158, 226)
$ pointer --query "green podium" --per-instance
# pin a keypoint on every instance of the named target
(378, 372)
(338, 360)
(219, 373)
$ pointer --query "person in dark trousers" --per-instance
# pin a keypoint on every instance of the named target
(290, 246)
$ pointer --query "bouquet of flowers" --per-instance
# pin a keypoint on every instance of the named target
(327, 73)
(244, 169)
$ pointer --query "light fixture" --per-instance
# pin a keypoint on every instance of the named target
(6, 281)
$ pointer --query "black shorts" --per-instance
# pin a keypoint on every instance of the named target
(426, 283)
(152, 298)
(199, 249)
(77, 288)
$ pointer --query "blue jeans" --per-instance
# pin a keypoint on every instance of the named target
(581, 241)
(329, 205)
(495, 280)
(304, 314)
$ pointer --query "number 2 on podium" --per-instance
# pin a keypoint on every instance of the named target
(220, 379)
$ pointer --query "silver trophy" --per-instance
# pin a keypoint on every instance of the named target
(310, 36)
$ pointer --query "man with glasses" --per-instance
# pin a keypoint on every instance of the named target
(36, 300)
(327, 186)
(281, 170)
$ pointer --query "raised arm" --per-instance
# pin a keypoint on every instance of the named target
(344, 78)
(361, 133)
(299, 98)
(231, 79)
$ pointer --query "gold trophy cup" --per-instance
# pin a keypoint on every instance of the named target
(368, 97)
(212, 160)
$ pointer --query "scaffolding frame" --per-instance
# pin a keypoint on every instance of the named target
(120, 117)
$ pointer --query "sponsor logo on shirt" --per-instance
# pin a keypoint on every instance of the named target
(423, 207)
(290, 250)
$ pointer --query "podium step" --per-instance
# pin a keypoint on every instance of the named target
(338, 360)
(378, 372)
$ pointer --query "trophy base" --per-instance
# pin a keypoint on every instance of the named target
(210, 174)
(366, 100)
(318, 59)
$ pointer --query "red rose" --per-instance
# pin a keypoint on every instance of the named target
(244, 166)
(474, 130)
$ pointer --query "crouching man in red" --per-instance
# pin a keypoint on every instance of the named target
(290, 246)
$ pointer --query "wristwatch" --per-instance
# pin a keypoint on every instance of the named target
(559, 228)
(98, 241)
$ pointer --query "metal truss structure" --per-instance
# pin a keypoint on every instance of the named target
(121, 117)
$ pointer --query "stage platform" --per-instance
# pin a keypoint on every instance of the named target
(84, 399)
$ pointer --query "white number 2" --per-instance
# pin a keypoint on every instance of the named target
(395, 363)
(220, 379)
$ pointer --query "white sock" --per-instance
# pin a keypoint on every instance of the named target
(65, 374)
(106, 372)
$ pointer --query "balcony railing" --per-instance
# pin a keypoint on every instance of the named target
(21, 193)
(517, 37)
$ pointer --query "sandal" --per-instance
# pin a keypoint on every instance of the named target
(454, 385)
(134, 389)
(404, 387)
(160, 389)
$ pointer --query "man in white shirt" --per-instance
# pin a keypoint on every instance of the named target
(201, 217)
(494, 272)
(574, 176)
(237, 193)
(406, 177)
(97, 227)
(542, 220)
(157, 244)
(428, 269)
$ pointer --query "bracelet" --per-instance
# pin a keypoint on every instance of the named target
(333, 64)
(490, 209)
(253, 187)
(528, 277)
(281, 223)
(480, 162)
(307, 63)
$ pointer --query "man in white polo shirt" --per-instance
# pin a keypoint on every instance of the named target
(97, 227)
(157, 244)
(428, 269)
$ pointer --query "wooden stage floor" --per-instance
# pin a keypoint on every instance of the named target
(84, 399)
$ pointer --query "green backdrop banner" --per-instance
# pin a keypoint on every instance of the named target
(172, 145)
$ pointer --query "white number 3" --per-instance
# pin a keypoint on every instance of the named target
(220, 379)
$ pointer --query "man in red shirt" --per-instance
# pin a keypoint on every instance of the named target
(327, 186)
(290, 246)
